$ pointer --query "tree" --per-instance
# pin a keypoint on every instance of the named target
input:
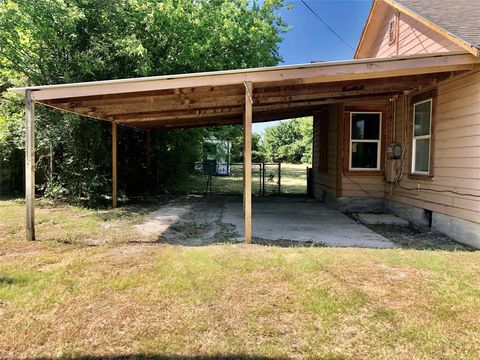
(290, 141)
(60, 41)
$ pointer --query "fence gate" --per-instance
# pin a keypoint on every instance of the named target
(228, 178)
(271, 178)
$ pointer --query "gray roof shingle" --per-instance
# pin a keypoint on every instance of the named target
(461, 18)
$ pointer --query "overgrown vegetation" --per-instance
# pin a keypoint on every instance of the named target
(61, 41)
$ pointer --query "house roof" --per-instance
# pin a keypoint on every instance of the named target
(461, 18)
(457, 20)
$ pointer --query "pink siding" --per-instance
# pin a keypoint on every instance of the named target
(413, 38)
(456, 163)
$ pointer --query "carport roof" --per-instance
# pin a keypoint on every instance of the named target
(217, 98)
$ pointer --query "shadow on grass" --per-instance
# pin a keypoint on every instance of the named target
(6, 281)
(158, 357)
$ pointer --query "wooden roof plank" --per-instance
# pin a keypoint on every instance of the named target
(322, 72)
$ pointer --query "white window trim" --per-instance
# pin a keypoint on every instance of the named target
(422, 137)
(379, 142)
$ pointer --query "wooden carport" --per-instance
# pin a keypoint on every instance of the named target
(230, 97)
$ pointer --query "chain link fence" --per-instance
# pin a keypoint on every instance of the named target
(217, 178)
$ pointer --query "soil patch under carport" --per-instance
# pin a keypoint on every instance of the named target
(417, 238)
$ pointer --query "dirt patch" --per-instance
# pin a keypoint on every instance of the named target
(287, 243)
(189, 221)
(161, 220)
(416, 238)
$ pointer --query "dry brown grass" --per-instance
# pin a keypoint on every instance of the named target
(66, 299)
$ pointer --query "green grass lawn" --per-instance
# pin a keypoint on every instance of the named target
(294, 178)
(293, 181)
(61, 297)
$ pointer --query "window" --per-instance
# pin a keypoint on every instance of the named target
(392, 31)
(422, 131)
(365, 132)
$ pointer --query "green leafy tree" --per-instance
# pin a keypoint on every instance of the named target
(60, 41)
(290, 141)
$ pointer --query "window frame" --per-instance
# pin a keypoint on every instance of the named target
(378, 142)
(422, 137)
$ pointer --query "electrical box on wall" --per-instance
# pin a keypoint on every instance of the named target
(394, 151)
(391, 170)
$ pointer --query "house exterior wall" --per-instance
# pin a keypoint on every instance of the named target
(325, 127)
(412, 37)
(368, 184)
(455, 153)
(347, 191)
(441, 201)
(448, 200)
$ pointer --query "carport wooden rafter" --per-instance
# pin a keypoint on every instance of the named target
(231, 97)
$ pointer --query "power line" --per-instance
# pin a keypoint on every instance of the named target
(328, 26)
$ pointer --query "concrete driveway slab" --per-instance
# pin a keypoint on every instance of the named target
(302, 222)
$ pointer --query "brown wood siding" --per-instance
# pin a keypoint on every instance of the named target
(325, 181)
(456, 151)
(363, 186)
(368, 183)
(412, 38)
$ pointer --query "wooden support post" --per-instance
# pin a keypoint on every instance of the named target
(247, 161)
(30, 164)
(114, 164)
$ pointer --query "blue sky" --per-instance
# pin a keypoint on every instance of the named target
(310, 40)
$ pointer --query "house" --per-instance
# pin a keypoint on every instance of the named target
(416, 153)
(397, 128)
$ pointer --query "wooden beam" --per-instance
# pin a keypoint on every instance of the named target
(364, 31)
(346, 87)
(298, 74)
(127, 111)
(182, 116)
(219, 102)
(247, 161)
(204, 122)
(203, 103)
(114, 165)
(180, 113)
(151, 95)
(199, 98)
(30, 165)
(127, 107)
